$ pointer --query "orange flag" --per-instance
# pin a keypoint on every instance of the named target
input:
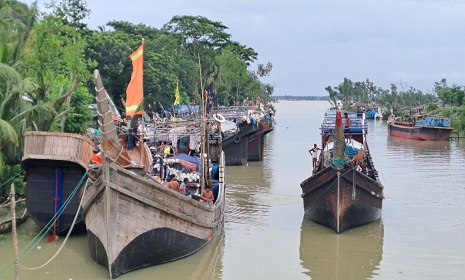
(135, 90)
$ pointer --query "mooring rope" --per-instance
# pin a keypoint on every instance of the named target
(28, 248)
(11, 179)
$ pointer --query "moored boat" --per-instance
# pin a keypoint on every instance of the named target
(135, 221)
(420, 128)
(344, 190)
(6, 220)
(236, 146)
(257, 140)
(56, 164)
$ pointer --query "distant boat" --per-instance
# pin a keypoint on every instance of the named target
(344, 190)
(6, 221)
(420, 128)
(134, 220)
(55, 165)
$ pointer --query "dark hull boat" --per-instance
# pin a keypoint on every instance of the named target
(55, 165)
(134, 221)
(257, 140)
(344, 190)
(429, 129)
(236, 146)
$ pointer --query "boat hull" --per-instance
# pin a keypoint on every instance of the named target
(55, 165)
(342, 199)
(420, 133)
(236, 146)
(170, 245)
(133, 222)
(257, 140)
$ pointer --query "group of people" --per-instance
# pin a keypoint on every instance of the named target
(206, 195)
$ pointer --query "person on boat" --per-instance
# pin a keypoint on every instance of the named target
(168, 151)
(314, 153)
(363, 166)
(173, 183)
(183, 187)
(347, 122)
(130, 139)
(207, 195)
(96, 156)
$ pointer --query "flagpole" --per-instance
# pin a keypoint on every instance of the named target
(142, 149)
(203, 128)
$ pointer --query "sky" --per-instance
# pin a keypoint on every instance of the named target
(315, 44)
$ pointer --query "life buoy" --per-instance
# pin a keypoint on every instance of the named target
(237, 139)
(219, 118)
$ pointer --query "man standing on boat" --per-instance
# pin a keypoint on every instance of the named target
(314, 153)
(347, 123)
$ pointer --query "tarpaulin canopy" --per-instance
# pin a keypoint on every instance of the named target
(185, 157)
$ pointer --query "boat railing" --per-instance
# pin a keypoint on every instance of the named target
(356, 126)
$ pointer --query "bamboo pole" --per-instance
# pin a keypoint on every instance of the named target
(13, 230)
(203, 128)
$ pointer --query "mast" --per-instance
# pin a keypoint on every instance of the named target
(203, 129)
(339, 147)
(107, 128)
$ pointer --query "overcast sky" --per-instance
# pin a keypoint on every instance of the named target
(315, 44)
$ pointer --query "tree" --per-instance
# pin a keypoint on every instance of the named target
(16, 22)
(58, 65)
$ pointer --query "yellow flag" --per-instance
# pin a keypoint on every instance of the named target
(176, 95)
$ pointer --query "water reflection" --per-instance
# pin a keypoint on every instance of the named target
(417, 147)
(205, 264)
(248, 192)
(354, 254)
(74, 262)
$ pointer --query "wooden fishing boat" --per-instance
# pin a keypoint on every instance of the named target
(6, 221)
(55, 165)
(134, 221)
(246, 118)
(236, 146)
(420, 128)
(257, 140)
(344, 190)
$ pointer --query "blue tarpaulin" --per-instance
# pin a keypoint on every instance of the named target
(188, 158)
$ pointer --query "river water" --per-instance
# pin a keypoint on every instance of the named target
(420, 235)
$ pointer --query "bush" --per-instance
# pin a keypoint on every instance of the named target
(431, 106)
(445, 112)
(11, 174)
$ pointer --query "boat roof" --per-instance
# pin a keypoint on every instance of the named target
(358, 123)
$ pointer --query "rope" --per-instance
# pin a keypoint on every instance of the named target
(11, 179)
(64, 241)
(27, 249)
(100, 100)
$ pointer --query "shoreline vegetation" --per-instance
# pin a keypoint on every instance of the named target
(401, 100)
